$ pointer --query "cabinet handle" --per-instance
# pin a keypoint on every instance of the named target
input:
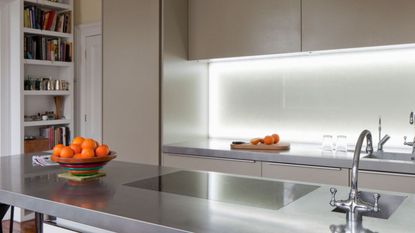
(387, 173)
(213, 158)
(305, 166)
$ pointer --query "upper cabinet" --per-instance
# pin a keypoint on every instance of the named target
(232, 28)
(334, 24)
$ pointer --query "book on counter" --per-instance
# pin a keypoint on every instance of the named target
(51, 20)
(56, 135)
(45, 48)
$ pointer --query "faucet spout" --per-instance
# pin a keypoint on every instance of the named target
(356, 159)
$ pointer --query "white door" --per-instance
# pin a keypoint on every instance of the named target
(91, 88)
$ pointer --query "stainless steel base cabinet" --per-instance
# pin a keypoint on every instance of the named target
(306, 173)
(387, 181)
(193, 162)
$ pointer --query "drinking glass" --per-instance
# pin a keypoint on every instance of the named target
(327, 144)
(341, 143)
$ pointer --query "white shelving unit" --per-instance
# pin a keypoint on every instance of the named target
(52, 5)
(47, 33)
(21, 102)
(47, 63)
(46, 123)
(50, 93)
(33, 102)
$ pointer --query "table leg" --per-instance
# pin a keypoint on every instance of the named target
(3, 211)
(11, 219)
(39, 222)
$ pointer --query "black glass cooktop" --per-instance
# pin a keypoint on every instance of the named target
(253, 192)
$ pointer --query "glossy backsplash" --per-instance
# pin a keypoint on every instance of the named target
(303, 97)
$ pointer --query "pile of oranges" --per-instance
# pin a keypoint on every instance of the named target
(267, 140)
(81, 148)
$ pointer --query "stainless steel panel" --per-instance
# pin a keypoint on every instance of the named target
(225, 188)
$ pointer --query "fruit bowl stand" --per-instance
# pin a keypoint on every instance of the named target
(83, 167)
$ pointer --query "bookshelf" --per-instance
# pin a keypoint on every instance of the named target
(50, 93)
(47, 33)
(46, 63)
(42, 52)
(47, 123)
(65, 5)
(53, 59)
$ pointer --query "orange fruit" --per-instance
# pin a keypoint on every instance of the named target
(57, 149)
(102, 151)
(54, 158)
(87, 153)
(268, 140)
(78, 140)
(67, 152)
(77, 156)
(255, 141)
(105, 145)
(76, 148)
(89, 143)
(276, 138)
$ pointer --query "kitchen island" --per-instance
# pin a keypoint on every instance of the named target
(143, 198)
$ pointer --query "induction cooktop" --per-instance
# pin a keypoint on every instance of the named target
(261, 193)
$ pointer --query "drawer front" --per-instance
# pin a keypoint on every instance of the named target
(313, 174)
(240, 167)
(387, 181)
(52, 228)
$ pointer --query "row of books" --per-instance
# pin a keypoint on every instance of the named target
(45, 48)
(56, 135)
(37, 18)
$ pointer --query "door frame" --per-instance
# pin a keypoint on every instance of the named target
(81, 33)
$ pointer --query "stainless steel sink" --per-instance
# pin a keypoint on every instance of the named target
(387, 204)
(390, 156)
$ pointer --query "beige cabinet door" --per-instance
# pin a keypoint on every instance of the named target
(192, 162)
(231, 28)
(305, 173)
(333, 24)
(131, 79)
(387, 181)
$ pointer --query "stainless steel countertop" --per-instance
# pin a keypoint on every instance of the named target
(110, 204)
(301, 154)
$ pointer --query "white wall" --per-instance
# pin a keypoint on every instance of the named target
(4, 81)
(87, 11)
(303, 97)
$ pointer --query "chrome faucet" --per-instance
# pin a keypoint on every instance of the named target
(385, 138)
(354, 205)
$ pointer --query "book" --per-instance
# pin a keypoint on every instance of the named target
(47, 48)
(56, 135)
(51, 20)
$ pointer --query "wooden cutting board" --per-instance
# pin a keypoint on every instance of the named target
(260, 146)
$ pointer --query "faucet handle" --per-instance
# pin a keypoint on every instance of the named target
(333, 192)
(411, 118)
(376, 196)
(408, 143)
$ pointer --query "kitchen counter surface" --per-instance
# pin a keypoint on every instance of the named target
(301, 154)
(110, 204)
